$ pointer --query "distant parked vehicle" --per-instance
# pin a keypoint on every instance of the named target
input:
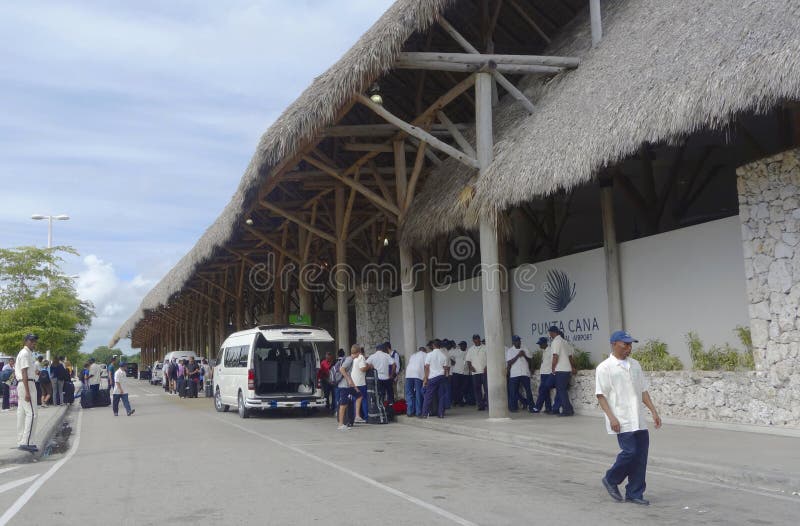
(146, 373)
(132, 370)
(157, 373)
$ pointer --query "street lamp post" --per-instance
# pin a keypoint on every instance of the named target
(60, 217)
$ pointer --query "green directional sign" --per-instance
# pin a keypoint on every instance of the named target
(300, 319)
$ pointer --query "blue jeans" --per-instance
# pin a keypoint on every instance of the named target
(546, 382)
(481, 390)
(115, 403)
(562, 397)
(414, 396)
(438, 386)
(514, 383)
(631, 463)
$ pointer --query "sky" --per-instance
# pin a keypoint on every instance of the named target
(137, 119)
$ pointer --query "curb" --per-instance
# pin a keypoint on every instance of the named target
(771, 481)
(44, 435)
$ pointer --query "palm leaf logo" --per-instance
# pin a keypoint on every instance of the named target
(558, 291)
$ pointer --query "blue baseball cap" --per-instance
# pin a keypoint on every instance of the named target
(379, 347)
(553, 328)
(542, 341)
(516, 338)
(622, 336)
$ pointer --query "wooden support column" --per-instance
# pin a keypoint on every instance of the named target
(240, 299)
(407, 285)
(303, 290)
(611, 256)
(210, 331)
(427, 296)
(342, 317)
(490, 262)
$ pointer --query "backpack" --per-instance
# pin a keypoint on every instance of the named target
(6, 375)
(44, 376)
(334, 376)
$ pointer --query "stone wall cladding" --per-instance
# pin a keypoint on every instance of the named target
(769, 209)
(372, 315)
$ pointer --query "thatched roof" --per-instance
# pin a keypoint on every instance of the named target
(317, 107)
(664, 69)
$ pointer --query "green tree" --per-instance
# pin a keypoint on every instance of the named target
(36, 297)
(104, 354)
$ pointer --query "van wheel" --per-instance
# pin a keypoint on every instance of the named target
(243, 412)
(218, 405)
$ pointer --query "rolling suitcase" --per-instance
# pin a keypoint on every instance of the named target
(69, 392)
(86, 398)
(376, 411)
(209, 389)
(103, 398)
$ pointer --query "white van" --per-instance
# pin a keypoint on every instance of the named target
(269, 367)
(181, 355)
(157, 373)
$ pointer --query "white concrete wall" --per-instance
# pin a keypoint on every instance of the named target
(688, 279)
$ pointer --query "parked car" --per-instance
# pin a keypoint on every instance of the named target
(132, 370)
(146, 373)
(157, 373)
(269, 367)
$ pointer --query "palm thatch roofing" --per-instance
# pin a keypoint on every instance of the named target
(664, 70)
(316, 108)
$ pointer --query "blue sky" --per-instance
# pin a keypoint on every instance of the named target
(138, 119)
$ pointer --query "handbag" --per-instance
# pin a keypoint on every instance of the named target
(12, 395)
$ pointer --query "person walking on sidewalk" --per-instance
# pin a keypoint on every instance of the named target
(94, 380)
(564, 368)
(121, 392)
(24, 371)
(346, 390)
(6, 379)
(621, 389)
(547, 379)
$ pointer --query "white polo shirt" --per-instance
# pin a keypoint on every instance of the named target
(436, 360)
(416, 366)
(622, 383)
(25, 361)
(460, 358)
(119, 378)
(559, 346)
(95, 370)
(520, 367)
(359, 377)
(547, 361)
(476, 355)
(381, 362)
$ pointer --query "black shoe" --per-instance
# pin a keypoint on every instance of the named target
(534, 411)
(29, 448)
(612, 490)
(132, 411)
(566, 414)
(640, 502)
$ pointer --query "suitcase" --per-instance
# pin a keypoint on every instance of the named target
(86, 398)
(209, 389)
(103, 398)
(376, 410)
(69, 392)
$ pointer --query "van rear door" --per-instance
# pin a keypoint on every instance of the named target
(285, 369)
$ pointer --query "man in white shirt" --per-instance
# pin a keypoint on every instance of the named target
(382, 363)
(359, 376)
(564, 368)
(24, 371)
(397, 367)
(519, 361)
(547, 379)
(121, 391)
(415, 372)
(476, 366)
(621, 389)
(437, 367)
(94, 380)
(459, 379)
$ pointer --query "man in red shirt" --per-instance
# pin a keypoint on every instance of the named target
(323, 376)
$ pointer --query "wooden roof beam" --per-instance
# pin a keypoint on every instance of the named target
(299, 221)
(478, 59)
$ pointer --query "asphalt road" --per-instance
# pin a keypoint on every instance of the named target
(179, 462)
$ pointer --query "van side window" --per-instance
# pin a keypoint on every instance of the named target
(243, 352)
(231, 357)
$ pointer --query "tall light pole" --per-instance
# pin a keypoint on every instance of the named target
(60, 217)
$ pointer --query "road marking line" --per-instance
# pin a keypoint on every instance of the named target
(414, 500)
(33, 488)
(6, 470)
(14, 483)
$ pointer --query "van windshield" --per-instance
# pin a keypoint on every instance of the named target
(284, 366)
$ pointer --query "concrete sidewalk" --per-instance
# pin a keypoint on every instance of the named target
(48, 421)
(741, 458)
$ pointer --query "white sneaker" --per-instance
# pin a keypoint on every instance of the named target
(360, 421)
(342, 428)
